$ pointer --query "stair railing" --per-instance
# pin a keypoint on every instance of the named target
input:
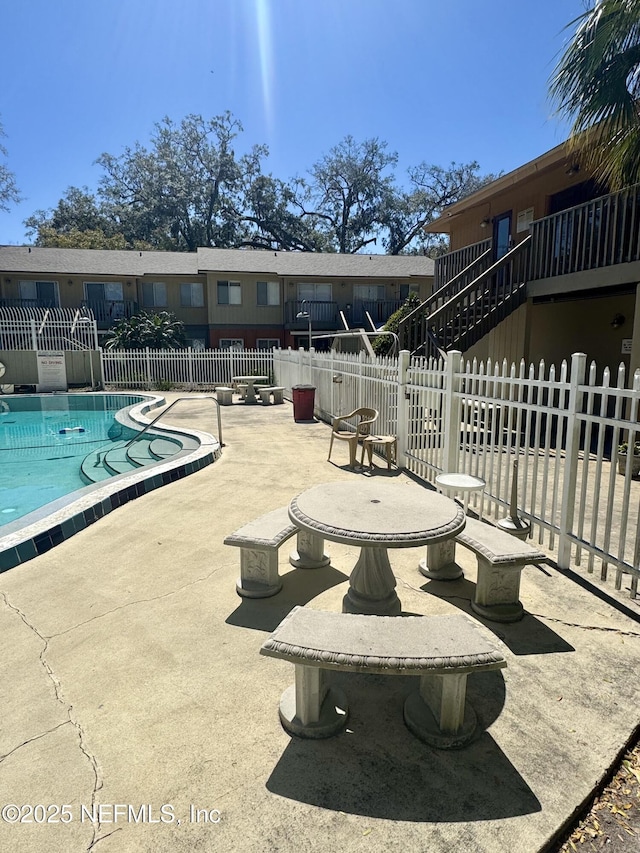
(476, 302)
(437, 299)
(170, 406)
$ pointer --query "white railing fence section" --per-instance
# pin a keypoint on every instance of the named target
(47, 334)
(186, 369)
(562, 427)
(343, 382)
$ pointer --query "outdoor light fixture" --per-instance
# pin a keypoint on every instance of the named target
(485, 222)
(618, 320)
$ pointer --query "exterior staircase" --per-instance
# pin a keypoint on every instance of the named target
(469, 305)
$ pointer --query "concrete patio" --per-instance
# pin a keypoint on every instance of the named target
(132, 677)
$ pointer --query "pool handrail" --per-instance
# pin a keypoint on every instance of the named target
(170, 406)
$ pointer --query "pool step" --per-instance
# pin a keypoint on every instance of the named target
(92, 468)
(116, 458)
(144, 451)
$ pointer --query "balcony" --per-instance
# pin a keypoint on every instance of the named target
(600, 233)
(378, 309)
(107, 312)
(324, 315)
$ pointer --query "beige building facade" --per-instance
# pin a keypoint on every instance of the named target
(580, 268)
(225, 297)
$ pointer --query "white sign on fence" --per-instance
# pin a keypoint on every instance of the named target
(52, 371)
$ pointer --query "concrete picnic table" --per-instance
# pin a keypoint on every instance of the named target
(250, 381)
(376, 515)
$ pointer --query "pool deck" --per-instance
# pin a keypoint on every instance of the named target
(132, 676)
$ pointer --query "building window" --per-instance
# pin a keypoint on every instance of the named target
(196, 343)
(103, 291)
(314, 292)
(154, 294)
(231, 343)
(267, 343)
(268, 293)
(45, 292)
(369, 292)
(229, 293)
(192, 295)
(407, 289)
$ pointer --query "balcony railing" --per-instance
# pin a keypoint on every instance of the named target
(378, 309)
(28, 303)
(324, 315)
(600, 233)
(108, 311)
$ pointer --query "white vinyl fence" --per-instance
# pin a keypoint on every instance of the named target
(185, 368)
(56, 329)
(563, 429)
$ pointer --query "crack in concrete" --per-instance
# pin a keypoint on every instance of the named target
(57, 687)
(102, 838)
(58, 693)
(602, 628)
(32, 739)
(136, 601)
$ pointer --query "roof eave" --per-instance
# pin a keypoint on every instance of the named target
(540, 164)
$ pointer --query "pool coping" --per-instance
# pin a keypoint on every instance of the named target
(51, 524)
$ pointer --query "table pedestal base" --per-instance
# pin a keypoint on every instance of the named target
(439, 564)
(309, 553)
(372, 585)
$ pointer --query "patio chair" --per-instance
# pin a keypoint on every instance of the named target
(344, 431)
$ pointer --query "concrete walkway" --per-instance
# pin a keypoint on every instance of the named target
(132, 677)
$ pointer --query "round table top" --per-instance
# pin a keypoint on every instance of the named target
(249, 378)
(462, 482)
(378, 513)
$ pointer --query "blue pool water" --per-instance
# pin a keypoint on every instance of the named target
(43, 441)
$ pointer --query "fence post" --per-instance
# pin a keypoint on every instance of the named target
(148, 367)
(402, 425)
(34, 337)
(451, 414)
(574, 407)
(312, 352)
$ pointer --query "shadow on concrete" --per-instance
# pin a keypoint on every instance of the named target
(529, 636)
(299, 586)
(600, 593)
(379, 769)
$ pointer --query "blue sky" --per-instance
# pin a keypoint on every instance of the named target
(438, 80)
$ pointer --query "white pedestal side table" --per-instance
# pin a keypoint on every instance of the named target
(464, 483)
(440, 561)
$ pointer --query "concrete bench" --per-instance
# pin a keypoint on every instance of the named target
(501, 558)
(260, 540)
(440, 650)
(266, 393)
(224, 396)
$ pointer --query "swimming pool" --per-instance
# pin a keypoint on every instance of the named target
(66, 460)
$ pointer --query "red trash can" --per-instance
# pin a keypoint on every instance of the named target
(303, 401)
